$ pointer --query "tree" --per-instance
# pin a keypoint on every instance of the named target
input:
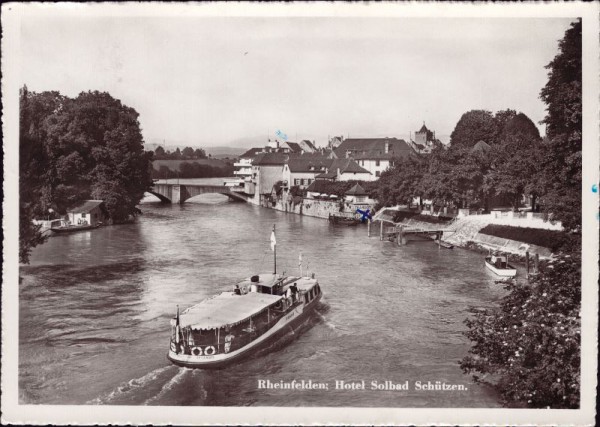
(188, 152)
(514, 161)
(520, 126)
(474, 126)
(159, 153)
(529, 347)
(97, 151)
(401, 183)
(199, 153)
(76, 149)
(502, 117)
(562, 163)
(33, 110)
(177, 154)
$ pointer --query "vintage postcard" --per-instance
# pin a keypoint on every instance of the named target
(300, 214)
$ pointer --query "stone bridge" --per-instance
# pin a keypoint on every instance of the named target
(179, 193)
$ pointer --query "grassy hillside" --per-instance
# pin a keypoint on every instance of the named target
(174, 164)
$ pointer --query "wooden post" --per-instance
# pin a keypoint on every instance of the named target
(527, 262)
(401, 235)
(537, 263)
(368, 228)
(439, 239)
(381, 230)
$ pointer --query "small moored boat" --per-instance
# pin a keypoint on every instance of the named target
(67, 227)
(343, 220)
(500, 266)
(234, 324)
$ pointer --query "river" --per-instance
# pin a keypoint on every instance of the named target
(95, 309)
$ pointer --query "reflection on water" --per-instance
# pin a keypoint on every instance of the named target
(95, 309)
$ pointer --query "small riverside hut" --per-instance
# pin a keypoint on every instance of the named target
(89, 212)
(356, 194)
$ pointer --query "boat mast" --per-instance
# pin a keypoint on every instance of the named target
(274, 247)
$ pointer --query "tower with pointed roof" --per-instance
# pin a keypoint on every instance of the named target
(424, 136)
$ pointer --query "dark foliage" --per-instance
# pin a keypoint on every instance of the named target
(562, 162)
(76, 149)
(529, 347)
(188, 153)
(405, 215)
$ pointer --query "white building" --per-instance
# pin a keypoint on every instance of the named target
(301, 171)
(374, 154)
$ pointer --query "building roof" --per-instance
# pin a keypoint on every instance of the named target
(423, 128)
(319, 186)
(373, 148)
(270, 159)
(347, 166)
(86, 206)
(357, 190)
(327, 175)
(294, 146)
(308, 163)
(307, 145)
(250, 153)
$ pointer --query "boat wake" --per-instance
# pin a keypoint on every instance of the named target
(327, 323)
(169, 385)
(130, 388)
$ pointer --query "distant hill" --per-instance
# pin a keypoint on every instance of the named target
(174, 164)
(249, 142)
(222, 151)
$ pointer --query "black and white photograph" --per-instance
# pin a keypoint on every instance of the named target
(299, 214)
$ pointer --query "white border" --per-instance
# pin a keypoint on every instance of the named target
(12, 412)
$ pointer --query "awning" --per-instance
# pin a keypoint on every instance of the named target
(226, 308)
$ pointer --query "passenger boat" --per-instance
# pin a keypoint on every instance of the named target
(499, 265)
(233, 325)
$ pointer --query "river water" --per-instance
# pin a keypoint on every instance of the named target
(95, 309)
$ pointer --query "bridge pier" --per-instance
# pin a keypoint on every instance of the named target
(176, 194)
(180, 194)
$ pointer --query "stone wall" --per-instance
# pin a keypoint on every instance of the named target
(317, 208)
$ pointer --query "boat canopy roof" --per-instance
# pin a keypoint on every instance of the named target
(226, 308)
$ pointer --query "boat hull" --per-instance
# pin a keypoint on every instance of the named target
(218, 361)
(74, 229)
(504, 272)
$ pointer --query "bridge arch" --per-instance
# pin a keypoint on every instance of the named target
(162, 198)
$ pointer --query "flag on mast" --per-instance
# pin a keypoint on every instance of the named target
(177, 327)
(273, 241)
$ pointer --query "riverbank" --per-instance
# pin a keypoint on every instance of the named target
(466, 233)
(315, 207)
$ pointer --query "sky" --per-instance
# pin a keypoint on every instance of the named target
(210, 81)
